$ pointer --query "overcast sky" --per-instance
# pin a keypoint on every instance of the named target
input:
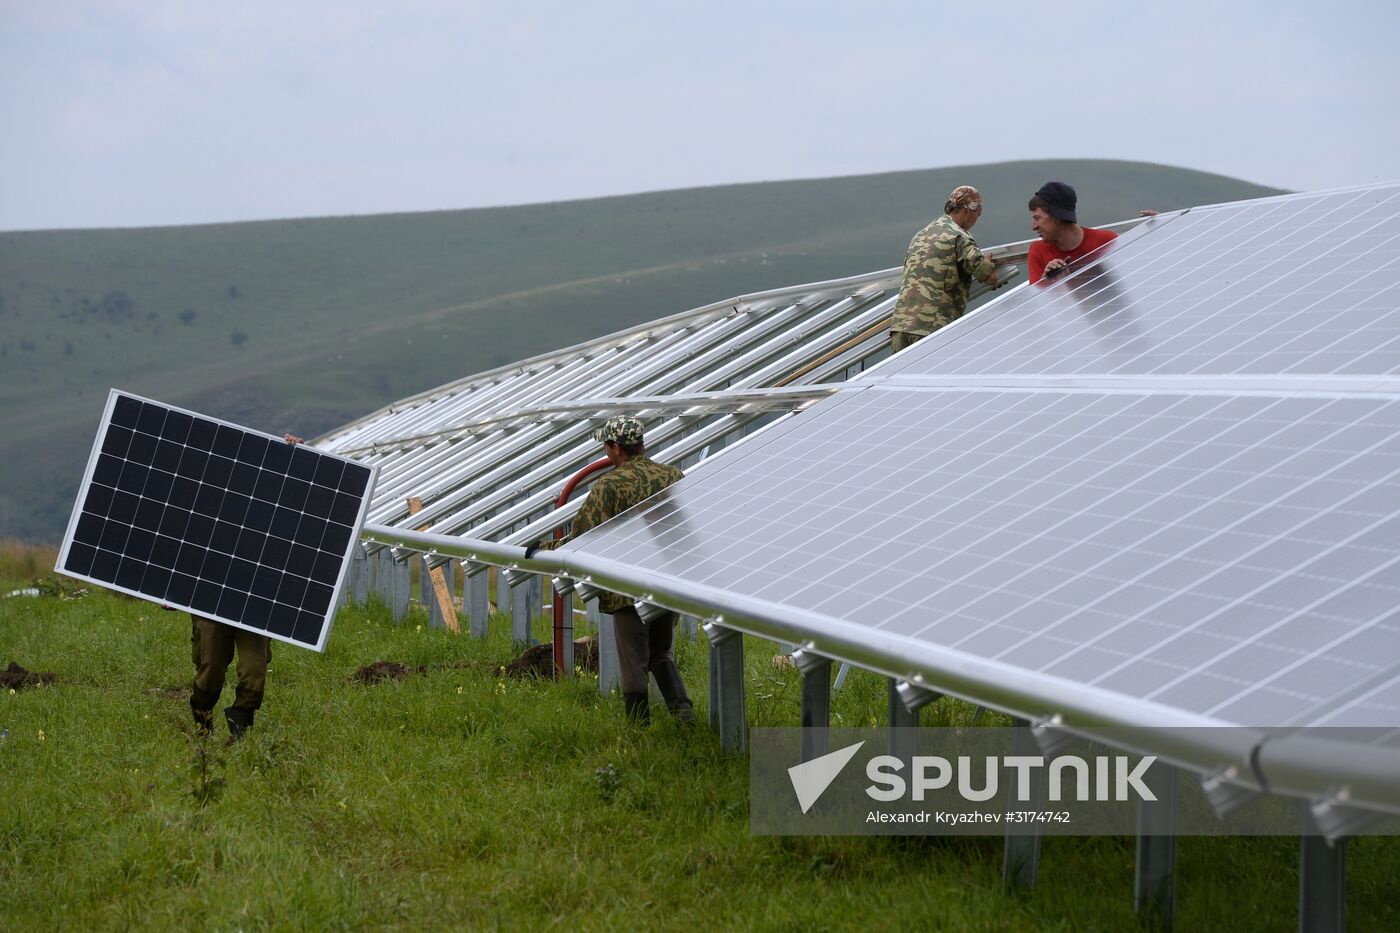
(144, 112)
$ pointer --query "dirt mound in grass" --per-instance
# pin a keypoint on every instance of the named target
(384, 670)
(538, 660)
(14, 677)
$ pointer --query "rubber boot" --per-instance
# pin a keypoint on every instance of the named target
(668, 681)
(638, 707)
(239, 721)
(203, 719)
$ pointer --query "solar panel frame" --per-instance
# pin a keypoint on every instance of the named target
(204, 515)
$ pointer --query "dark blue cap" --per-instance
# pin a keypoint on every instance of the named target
(1060, 200)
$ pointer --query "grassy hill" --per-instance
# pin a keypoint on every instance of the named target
(302, 325)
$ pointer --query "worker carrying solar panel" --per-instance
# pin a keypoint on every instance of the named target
(942, 261)
(642, 647)
(213, 645)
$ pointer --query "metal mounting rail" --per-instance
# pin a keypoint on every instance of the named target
(738, 401)
(1362, 776)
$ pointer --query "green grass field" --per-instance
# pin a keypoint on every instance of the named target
(459, 799)
(303, 325)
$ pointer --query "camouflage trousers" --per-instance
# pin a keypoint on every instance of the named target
(213, 645)
(642, 646)
(900, 339)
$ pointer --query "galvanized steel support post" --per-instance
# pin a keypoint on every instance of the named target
(816, 702)
(727, 686)
(520, 600)
(502, 592)
(400, 585)
(383, 579)
(607, 650)
(354, 589)
(903, 725)
(359, 576)
(425, 585)
(477, 597)
(1322, 880)
(1021, 854)
(1154, 879)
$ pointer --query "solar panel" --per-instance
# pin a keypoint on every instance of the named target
(1303, 284)
(1156, 527)
(228, 523)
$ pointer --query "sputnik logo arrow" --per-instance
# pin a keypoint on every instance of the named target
(811, 778)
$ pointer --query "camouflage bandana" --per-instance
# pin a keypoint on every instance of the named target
(620, 430)
(965, 196)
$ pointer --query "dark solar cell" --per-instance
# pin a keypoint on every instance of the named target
(80, 558)
(117, 441)
(98, 500)
(227, 441)
(303, 465)
(253, 449)
(126, 411)
(155, 581)
(217, 472)
(192, 463)
(278, 458)
(177, 427)
(355, 480)
(165, 551)
(243, 479)
(158, 485)
(107, 471)
(201, 436)
(294, 494)
(142, 449)
(151, 420)
(328, 473)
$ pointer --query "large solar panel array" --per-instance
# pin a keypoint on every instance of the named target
(228, 523)
(1171, 477)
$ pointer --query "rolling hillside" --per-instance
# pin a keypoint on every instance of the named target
(302, 325)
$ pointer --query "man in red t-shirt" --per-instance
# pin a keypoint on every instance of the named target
(1062, 240)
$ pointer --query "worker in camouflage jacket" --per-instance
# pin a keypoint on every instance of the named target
(942, 261)
(642, 647)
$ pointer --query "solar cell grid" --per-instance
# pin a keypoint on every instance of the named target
(1179, 548)
(206, 516)
(1307, 284)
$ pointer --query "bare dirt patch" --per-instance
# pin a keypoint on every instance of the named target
(538, 661)
(385, 670)
(15, 677)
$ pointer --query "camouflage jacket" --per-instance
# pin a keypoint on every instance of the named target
(638, 479)
(943, 260)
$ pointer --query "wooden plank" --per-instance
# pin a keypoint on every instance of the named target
(439, 579)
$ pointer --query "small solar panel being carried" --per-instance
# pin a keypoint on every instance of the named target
(228, 523)
(1163, 489)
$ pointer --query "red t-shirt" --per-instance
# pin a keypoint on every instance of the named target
(1042, 252)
